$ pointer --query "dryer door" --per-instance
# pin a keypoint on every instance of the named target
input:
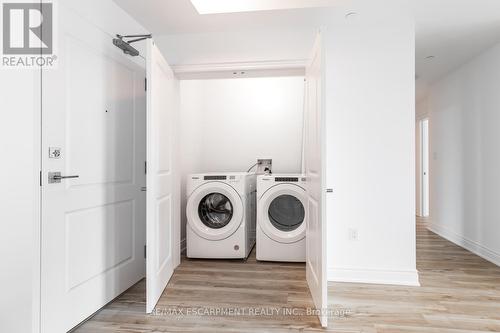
(282, 213)
(214, 211)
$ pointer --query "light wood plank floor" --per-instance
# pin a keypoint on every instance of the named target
(256, 289)
(460, 293)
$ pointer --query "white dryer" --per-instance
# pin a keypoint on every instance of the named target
(220, 215)
(281, 218)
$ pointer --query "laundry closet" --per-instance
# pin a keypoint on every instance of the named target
(229, 120)
(233, 121)
(226, 124)
(206, 131)
(123, 137)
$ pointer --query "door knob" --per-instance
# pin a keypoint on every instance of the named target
(56, 177)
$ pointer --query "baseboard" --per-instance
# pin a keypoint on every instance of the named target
(183, 246)
(372, 276)
(467, 244)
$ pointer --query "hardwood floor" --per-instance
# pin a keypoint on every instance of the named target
(257, 289)
(459, 293)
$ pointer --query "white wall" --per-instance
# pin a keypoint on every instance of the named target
(20, 108)
(227, 124)
(465, 156)
(191, 98)
(19, 191)
(370, 106)
(239, 120)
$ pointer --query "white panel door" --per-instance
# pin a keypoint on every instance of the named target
(163, 204)
(94, 126)
(314, 170)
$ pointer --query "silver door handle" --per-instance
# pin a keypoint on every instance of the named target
(66, 177)
(56, 177)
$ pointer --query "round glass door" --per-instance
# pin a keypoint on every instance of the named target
(215, 210)
(286, 212)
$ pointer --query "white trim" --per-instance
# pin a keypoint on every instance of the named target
(470, 245)
(421, 211)
(231, 66)
(37, 216)
(374, 276)
(240, 69)
(418, 167)
(422, 115)
(421, 167)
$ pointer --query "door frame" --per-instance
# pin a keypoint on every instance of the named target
(420, 140)
(37, 220)
(269, 69)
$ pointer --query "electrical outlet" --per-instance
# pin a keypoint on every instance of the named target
(264, 166)
(353, 234)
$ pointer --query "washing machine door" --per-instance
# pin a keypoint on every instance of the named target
(214, 211)
(282, 210)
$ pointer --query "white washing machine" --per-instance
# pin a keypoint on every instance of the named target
(281, 218)
(220, 215)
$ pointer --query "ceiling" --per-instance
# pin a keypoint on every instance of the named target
(181, 17)
(453, 31)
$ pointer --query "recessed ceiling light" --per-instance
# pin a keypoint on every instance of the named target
(235, 6)
(351, 15)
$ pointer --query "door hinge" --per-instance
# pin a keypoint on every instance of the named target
(41, 184)
(144, 251)
(145, 167)
(145, 84)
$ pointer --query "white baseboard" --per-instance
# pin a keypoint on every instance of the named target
(403, 278)
(467, 244)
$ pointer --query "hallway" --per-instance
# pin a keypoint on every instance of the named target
(459, 293)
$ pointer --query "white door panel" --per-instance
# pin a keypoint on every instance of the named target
(93, 227)
(163, 206)
(314, 170)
